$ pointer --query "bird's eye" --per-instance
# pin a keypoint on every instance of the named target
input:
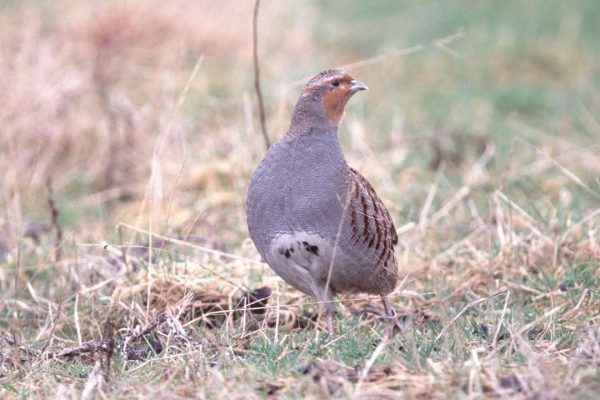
(335, 82)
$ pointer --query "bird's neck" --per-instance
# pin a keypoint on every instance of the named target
(315, 155)
(309, 115)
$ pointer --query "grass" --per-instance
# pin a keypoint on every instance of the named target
(141, 115)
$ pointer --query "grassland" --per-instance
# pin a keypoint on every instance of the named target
(128, 133)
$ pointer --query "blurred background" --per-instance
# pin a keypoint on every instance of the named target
(143, 111)
(480, 131)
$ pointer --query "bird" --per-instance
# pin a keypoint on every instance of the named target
(316, 221)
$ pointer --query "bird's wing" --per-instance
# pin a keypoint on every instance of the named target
(370, 220)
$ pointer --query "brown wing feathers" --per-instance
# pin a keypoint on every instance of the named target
(370, 221)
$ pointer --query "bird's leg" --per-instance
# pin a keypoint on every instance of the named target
(328, 306)
(390, 313)
(330, 324)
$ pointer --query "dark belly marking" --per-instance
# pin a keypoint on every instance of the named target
(311, 248)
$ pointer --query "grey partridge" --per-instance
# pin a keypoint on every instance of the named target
(316, 221)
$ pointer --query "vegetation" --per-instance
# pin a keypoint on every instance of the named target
(128, 134)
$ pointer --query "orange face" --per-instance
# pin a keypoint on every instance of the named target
(336, 87)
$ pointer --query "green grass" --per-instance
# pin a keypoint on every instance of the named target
(506, 108)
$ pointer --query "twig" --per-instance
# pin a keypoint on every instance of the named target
(109, 332)
(565, 171)
(365, 372)
(501, 320)
(76, 320)
(180, 100)
(93, 346)
(583, 301)
(123, 248)
(450, 204)
(382, 57)
(167, 239)
(466, 308)
(261, 105)
(529, 220)
(578, 224)
(423, 220)
(184, 243)
(58, 311)
(473, 234)
(547, 314)
(440, 43)
(55, 224)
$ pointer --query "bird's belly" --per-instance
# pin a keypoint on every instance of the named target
(309, 262)
(293, 205)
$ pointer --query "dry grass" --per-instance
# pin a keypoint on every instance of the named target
(128, 135)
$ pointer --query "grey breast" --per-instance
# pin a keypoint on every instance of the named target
(299, 186)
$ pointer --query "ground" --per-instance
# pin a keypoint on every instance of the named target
(128, 134)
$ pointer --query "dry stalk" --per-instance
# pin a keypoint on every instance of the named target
(423, 219)
(187, 244)
(365, 372)
(123, 248)
(54, 222)
(465, 309)
(438, 43)
(450, 204)
(568, 173)
(576, 311)
(259, 96)
(501, 319)
(529, 220)
(542, 317)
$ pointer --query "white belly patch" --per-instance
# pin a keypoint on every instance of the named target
(303, 260)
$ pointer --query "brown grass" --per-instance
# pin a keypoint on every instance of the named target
(129, 277)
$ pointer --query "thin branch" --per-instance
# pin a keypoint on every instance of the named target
(441, 43)
(500, 321)
(259, 96)
(465, 309)
(547, 314)
(93, 346)
(54, 222)
(365, 372)
(178, 242)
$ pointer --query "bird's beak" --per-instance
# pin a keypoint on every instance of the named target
(357, 85)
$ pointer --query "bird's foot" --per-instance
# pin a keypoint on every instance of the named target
(394, 326)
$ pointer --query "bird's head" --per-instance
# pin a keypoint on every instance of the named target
(327, 93)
